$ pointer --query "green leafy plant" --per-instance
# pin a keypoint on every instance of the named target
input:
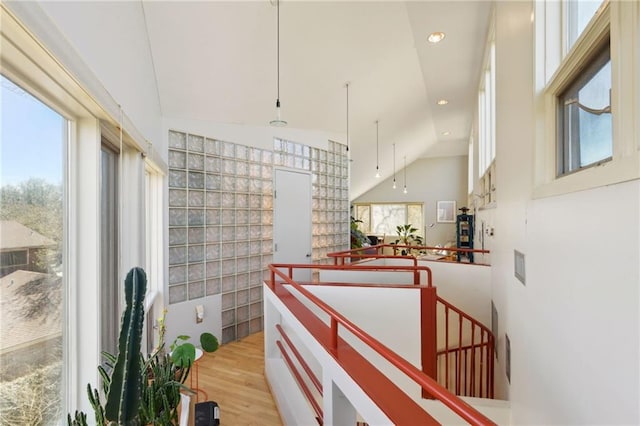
(407, 237)
(183, 353)
(358, 238)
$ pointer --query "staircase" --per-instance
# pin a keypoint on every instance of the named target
(449, 354)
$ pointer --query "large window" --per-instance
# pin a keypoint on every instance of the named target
(52, 186)
(32, 281)
(487, 113)
(487, 128)
(382, 219)
(586, 56)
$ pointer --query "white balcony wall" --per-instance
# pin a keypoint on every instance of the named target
(381, 312)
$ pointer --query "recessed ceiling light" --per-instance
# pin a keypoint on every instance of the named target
(442, 102)
(436, 37)
(447, 133)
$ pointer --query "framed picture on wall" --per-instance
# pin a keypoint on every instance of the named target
(446, 212)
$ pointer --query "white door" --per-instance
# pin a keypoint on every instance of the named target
(292, 220)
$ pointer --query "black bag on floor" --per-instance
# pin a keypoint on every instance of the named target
(207, 414)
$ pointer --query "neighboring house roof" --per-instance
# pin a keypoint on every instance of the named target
(15, 331)
(14, 235)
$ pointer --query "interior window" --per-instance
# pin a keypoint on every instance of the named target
(31, 266)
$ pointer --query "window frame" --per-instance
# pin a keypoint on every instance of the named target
(7, 259)
(567, 153)
(154, 250)
(37, 57)
(486, 128)
(24, 76)
(620, 23)
(405, 204)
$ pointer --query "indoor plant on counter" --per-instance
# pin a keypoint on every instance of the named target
(138, 391)
(407, 237)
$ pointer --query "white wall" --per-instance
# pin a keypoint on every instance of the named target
(371, 314)
(181, 319)
(466, 286)
(104, 45)
(573, 327)
(429, 180)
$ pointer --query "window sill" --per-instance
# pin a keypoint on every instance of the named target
(609, 173)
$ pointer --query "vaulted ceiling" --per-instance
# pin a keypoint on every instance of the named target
(216, 61)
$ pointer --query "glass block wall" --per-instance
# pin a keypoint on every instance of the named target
(221, 219)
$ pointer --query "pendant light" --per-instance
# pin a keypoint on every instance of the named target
(278, 122)
(394, 166)
(405, 175)
(377, 153)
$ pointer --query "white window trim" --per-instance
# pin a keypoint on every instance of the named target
(485, 148)
(23, 60)
(28, 62)
(617, 20)
(155, 247)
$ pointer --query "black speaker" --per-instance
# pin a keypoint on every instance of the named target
(207, 414)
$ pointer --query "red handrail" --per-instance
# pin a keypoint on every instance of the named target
(458, 406)
(416, 269)
(303, 385)
(361, 252)
(303, 363)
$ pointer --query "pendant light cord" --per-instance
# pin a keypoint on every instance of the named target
(377, 151)
(394, 163)
(278, 52)
(347, 116)
(278, 122)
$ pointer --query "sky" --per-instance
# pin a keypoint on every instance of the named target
(31, 137)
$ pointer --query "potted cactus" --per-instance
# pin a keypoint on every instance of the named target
(138, 391)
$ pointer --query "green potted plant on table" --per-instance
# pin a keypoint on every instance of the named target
(407, 237)
(183, 353)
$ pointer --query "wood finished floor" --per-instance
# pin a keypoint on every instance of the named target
(233, 376)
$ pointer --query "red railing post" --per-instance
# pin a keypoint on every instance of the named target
(428, 331)
(334, 334)
(272, 284)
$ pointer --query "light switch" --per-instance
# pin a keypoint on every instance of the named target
(199, 313)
